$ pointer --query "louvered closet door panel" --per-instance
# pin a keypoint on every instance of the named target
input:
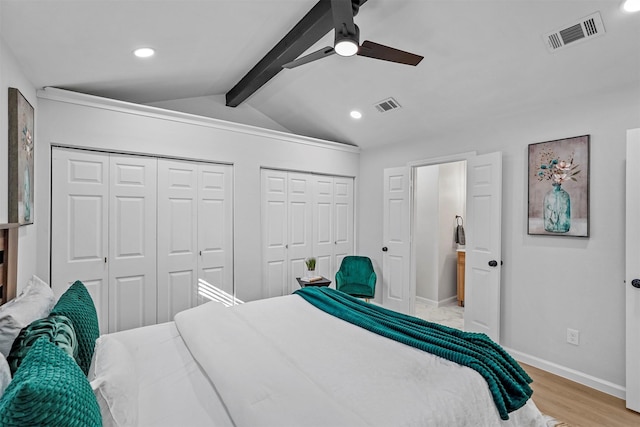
(215, 232)
(323, 241)
(132, 242)
(343, 219)
(79, 224)
(274, 233)
(300, 216)
(177, 237)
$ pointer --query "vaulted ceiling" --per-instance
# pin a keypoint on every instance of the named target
(483, 58)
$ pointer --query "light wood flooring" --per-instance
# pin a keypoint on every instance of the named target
(572, 403)
(576, 404)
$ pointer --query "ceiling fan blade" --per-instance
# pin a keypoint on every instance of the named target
(386, 53)
(318, 54)
(342, 12)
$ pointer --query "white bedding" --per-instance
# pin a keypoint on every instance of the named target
(282, 362)
(173, 390)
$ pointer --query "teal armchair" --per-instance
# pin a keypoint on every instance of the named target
(356, 277)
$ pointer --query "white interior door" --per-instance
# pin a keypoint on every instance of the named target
(323, 225)
(79, 218)
(300, 217)
(343, 221)
(483, 245)
(215, 232)
(177, 237)
(332, 223)
(632, 273)
(274, 232)
(132, 242)
(396, 257)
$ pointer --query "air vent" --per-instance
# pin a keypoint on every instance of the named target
(585, 29)
(387, 105)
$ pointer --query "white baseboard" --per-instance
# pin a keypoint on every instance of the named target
(448, 301)
(426, 301)
(571, 374)
(432, 303)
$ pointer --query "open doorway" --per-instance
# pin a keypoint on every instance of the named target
(439, 202)
(483, 249)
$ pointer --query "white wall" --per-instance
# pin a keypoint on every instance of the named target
(425, 233)
(12, 76)
(451, 180)
(214, 106)
(85, 121)
(439, 196)
(549, 283)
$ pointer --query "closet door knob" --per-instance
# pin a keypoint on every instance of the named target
(385, 249)
(635, 283)
(493, 263)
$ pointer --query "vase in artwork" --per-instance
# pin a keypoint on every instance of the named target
(557, 210)
(26, 195)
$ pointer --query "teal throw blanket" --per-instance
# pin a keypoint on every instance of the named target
(507, 381)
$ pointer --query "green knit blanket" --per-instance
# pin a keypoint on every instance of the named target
(507, 381)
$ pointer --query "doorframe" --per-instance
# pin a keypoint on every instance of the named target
(632, 296)
(414, 165)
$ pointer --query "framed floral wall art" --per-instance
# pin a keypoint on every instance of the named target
(21, 132)
(558, 201)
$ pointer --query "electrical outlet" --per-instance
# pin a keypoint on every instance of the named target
(573, 336)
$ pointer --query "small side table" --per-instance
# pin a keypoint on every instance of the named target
(322, 282)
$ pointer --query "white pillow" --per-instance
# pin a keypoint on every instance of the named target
(34, 302)
(114, 381)
(5, 374)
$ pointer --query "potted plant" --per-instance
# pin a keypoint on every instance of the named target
(311, 264)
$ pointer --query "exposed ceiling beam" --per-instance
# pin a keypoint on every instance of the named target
(311, 28)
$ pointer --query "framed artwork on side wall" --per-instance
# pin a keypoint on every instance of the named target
(21, 133)
(558, 197)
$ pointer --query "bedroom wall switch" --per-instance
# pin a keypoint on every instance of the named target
(573, 336)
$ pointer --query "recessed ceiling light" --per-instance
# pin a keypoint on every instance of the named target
(631, 6)
(355, 114)
(144, 52)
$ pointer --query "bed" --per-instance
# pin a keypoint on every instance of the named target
(282, 361)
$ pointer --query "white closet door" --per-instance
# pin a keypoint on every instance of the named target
(300, 215)
(343, 221)
(132, 242)
(323, 228)
(215, 233)
(79, 218)
(274, 233)
(177, 237)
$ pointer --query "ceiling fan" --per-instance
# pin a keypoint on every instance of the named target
(347, 40)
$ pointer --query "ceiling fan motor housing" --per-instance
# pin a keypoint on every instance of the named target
(355, 6)
(346, 43)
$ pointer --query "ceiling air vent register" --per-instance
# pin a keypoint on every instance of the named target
(585, 29)
(388, 104)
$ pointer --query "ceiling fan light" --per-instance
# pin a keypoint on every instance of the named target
(346, 47)
(345, 43)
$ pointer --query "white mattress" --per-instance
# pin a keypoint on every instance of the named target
(173, 390)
